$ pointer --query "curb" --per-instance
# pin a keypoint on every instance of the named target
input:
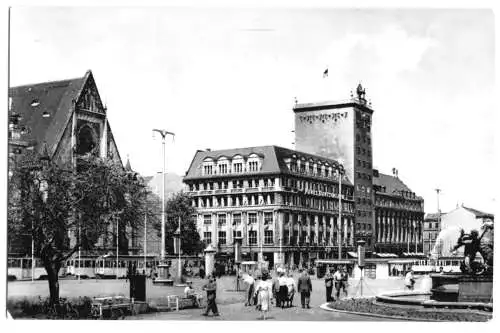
(327, 308)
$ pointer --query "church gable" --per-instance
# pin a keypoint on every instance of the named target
(89, 99)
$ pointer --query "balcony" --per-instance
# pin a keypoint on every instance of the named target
(220, 191)
(252, 190)
(237, 190)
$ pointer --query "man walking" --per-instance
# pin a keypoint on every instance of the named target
(211, 289)
(305, 287)
(251, 284)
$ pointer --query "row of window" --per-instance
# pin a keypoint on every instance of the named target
(365, 138)
(431, 225)
(252, 219)
(234, 201)
(364, 164)
(363, 151)
(364, 201)
(364, 226)
(238, 164)
(362, 213)
(398, 204)
(252, 237)
(362, 175)
(288, 239)
(237, 183)
(322, 204)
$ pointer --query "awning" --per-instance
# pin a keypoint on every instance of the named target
(333, 261)
(353, 254)
(401, 261)
(386, 255)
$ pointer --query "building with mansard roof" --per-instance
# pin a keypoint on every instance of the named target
(281, 200)
(283, 203)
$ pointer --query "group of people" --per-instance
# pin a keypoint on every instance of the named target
(263, 289)
(337, 279)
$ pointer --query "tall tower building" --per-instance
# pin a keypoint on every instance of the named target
(341, 131)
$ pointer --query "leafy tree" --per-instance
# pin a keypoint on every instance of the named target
(65, 210)
(179, 206)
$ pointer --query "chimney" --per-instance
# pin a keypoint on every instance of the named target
(208, 149)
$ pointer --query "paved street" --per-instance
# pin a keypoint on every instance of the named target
(231, 304)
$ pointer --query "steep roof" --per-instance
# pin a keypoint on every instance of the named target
(479, 213)
(272, 160)
(433, 216)
(391, 183)
(55, 99)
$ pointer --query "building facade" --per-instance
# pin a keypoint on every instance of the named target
(432, 227)
(284, 204)
(388, 214)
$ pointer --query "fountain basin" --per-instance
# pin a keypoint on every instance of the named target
(458, 287)
(423, 301)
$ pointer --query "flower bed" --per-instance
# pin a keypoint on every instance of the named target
(366, 305)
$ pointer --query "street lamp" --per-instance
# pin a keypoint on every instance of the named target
(163, 134)
(237, 259)
(340, 172)
(177, 250)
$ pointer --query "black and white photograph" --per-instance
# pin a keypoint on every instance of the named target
(303, 163)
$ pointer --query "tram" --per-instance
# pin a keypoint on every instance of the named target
(19, 268)
(444, 264)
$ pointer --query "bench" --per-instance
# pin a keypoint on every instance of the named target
(180, 302)
(114, 307)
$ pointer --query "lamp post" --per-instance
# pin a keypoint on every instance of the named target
(237, 259)
(163, 134)
(339, 239)
(117, 249)
(177, 250)
(438, 190)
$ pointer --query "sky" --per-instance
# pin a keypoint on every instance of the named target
(227, 78)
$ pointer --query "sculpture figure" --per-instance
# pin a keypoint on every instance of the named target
(474, 243)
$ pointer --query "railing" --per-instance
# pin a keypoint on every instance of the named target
(221, 191)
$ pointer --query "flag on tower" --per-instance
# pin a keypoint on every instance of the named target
(325, 73)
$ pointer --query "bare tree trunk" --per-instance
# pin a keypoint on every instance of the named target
(53, 278)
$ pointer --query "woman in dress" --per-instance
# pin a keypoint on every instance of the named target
(265, 291)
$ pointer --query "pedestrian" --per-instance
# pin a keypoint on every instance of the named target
(329, 284)
(304, 286)
(211, 289)
(276, 288)
(251, 285)
(290, 285)
(337, 279)
(264, 293)
(410, 280)
(258, 280)
(344, 280)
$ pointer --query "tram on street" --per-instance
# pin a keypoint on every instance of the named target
(444, 264)
(19, 268)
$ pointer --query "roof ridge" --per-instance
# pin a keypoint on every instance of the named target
(46, 82)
